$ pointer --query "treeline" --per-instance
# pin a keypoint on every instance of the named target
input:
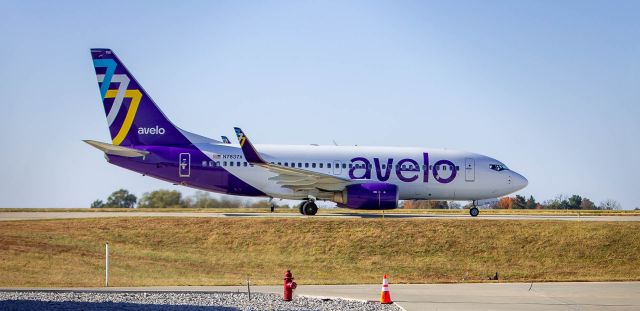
(171, 199)
(574, 202)
(174, 199)
(423, 204)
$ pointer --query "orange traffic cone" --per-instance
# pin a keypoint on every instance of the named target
(385, 297)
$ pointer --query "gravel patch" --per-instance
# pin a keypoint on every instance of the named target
(227, 301)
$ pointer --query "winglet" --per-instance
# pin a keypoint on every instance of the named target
(225, 140)
(250, 153)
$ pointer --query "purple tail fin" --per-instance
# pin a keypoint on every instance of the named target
(132, 116)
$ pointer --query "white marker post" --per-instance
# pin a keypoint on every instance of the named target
(106, 279)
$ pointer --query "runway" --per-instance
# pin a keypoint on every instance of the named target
(7, 216)
(444, 297)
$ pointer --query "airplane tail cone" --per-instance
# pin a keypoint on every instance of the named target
(385, 296)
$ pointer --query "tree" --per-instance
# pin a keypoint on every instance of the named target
(425, 204)
(505, 203)
(587, 204)
(531, 203)
(574, 202)
(121, 199)
(161, 199)
(555, 203)
(203, 199)
(609, 204)
(519, 202)
(97, 204)
(454, 205)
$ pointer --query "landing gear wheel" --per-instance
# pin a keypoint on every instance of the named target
(474, 211)
(310, 208)
(301, 207)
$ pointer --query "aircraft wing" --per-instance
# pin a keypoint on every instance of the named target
(290, 177)
(117, 150)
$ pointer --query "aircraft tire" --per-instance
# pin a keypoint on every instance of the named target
(301, 207)
(474, 211)
(310, 208)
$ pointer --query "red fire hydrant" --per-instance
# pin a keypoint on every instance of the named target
(289, 286)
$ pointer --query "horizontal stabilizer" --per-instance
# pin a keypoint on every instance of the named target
(117, 150)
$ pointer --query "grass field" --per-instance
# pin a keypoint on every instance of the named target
(340, 210)
(220, 251)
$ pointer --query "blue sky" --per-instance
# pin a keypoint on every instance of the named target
(551, 88)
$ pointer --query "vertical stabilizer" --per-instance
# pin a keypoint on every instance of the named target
(132, 116)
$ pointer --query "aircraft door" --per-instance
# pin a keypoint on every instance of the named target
(184, 165)
(337, 168)
(469, 169)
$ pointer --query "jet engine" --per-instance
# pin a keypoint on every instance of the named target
(371, 196)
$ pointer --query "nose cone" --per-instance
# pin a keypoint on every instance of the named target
(518, 181)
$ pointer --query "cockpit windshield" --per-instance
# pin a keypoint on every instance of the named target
(498, 167)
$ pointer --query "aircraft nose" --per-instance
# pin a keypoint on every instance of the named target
(519, 181)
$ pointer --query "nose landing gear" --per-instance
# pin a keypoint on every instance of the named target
(474, 211)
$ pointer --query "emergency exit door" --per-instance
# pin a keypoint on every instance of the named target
(469, 169)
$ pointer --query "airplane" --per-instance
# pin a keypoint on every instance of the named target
(144, 140)
(225, 139)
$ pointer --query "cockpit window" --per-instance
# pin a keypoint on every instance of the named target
(498, 167)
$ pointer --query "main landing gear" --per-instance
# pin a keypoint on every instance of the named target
(474, 211)
(272, 206)
(308, 207)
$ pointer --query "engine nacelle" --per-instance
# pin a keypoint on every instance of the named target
(372, 196)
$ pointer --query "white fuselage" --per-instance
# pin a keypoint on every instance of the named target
(419, 173)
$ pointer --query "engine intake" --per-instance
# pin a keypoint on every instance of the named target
(371, 196)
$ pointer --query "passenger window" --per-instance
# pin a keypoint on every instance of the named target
(224, 163)
(279, 163)
(306, 164)
(286, 164)
(320, 165)
(457, 168)
(238, 163)
(384, 166)
(344, 165)
(245, 163)
(230, 163)
(299, 164)
(328, 165)
(430, 167)
(444, 167)
(204, 163)
(313, 165)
